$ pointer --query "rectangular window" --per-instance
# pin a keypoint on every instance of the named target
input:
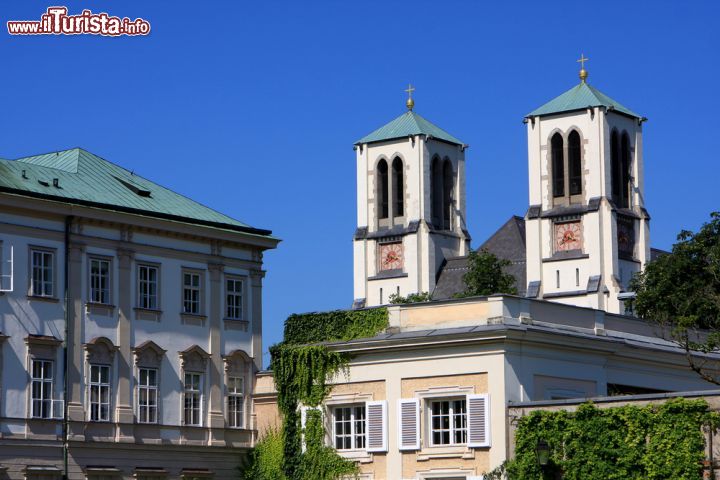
(147, 395)
(148, 276)
(349, 427)
(41, 388)
(234, 298)
(99, 393)
(100, 281)
(193, 399)
(42, 283)
(191, 293)
(235, 402)
(448, 422)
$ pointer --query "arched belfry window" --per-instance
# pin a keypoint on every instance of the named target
(398, 188)
(615, 166)
(558, 165)
(625, 156)
(448, 182)
(436, 192)
(574, 163)
(382, 189)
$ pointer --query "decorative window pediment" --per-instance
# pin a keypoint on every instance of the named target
(148, 354)
(236, 363)
(194, 359)
(100, 351)
(42, 346)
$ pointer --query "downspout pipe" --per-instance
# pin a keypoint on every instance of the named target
(66, 366)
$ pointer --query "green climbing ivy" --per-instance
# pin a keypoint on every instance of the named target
(318, 327)
(631, 442)
(303, 369)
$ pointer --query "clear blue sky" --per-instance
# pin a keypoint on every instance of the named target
(253, 108)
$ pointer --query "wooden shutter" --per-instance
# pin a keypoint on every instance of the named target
(478, 420)
(409, 424)
(376, 415)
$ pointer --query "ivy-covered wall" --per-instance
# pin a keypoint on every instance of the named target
(302, 369)
(652, 442)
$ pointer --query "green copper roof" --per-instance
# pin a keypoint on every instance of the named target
(86, 179)
(580, 97)
(409, 123)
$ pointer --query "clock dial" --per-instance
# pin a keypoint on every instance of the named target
(626, 236)
(568, 236)
(391, 256)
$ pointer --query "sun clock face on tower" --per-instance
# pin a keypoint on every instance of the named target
(391, 256)
(568, 236)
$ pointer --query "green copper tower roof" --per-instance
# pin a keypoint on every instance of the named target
(409, 123)
(581, 97)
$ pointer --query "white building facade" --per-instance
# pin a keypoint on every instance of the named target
(131, 322)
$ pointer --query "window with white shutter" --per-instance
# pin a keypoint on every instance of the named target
(376, 417)
(478, 420)
(409, 425)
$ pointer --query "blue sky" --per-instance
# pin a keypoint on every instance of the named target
(252, 108)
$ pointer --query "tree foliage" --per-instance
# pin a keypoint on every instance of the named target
(680, 291)
(486, 275)
(410, 298)
(265, 460)
(652, 442)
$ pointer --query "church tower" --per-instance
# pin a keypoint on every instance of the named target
(587, 230)
(410, 207)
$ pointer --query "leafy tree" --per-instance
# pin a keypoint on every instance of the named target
(265, 461)
(486, 275)
(411, 298)
(680, 292)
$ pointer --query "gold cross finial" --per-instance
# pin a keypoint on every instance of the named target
(583, 72)
(410, 102)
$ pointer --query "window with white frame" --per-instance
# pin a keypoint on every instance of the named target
(148, 278)
(192, 414)
(234, 298)
(235, 402)
(191, 293)
(99, 387)
(147, 395)
(42, 282)
(41, 389)
(349, 427)
(448, 421)
(100, 280)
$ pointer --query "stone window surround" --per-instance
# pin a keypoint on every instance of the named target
(442, 161)
(348, 399)
(566, 198)
(245, 297)
(391, 218)
(194, 360)
(53, 251)
(202, 308)
(40, 347)
(444, 473)
(158, 306)
(631, 160)
(111, 280)
(148, 355)
(238, 364)
(427, 451)
(100, 351)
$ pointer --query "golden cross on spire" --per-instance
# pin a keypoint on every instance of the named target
(410, 102)
(583, 72)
